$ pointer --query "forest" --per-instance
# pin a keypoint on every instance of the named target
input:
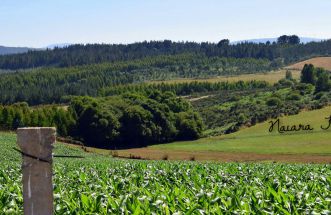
(287, 49)
(183, 89)
(129, 120)
(49, 85)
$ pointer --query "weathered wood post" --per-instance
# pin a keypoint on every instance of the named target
(36, 145)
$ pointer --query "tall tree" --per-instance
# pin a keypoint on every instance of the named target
(289, 75)
(323, 82)
(308, 74)
(293, 40)
(290, 40)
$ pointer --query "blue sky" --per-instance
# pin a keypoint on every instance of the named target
(38, 23)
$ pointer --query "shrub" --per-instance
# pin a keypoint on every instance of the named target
(285, 83)
(242, 118)
(319, 95)
(323, 82)
(274, 101)
(293, 97)
(304, 88)
(288, 75)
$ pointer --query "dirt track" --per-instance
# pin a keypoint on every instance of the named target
(153, 154)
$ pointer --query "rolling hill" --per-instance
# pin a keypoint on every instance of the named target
(254, 143)
(249, 144)
(324, 62)
(257, 139)
(13, 50)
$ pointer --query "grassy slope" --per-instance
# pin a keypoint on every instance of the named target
(257, 139)
(271, 77)
(324, 62)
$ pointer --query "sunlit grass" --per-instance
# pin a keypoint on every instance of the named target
(258, 139)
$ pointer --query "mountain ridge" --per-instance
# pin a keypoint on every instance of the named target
(274, 39)
(6, 50)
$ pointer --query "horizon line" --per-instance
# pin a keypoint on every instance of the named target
(65, 44)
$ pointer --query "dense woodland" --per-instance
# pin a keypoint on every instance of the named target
(48, 85)
(21, 115)
(287, 49)
(129, 120)
(183, 89)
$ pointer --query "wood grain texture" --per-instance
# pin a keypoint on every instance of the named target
(37, 175)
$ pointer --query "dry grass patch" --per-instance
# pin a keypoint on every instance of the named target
(324, 62)
(271, 77)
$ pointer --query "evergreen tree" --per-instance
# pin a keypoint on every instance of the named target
(323, 82)
(288, 75)
(308, 74)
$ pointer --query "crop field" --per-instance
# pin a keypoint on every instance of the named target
(271, 77)
(324, 62)
(103, 185)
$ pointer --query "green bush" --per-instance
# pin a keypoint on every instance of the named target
(274, 101)
(294, 97)
(304, 89)
(285, 83)
(319, 95)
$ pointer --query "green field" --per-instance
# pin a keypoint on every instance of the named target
(103, 185)
(257, 139)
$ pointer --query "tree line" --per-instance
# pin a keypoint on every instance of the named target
(129, 120)
(21, 115)
(287, 48)
(185, 88)
(49, 85)
(318, 77)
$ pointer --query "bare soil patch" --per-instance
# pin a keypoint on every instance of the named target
(154, 154)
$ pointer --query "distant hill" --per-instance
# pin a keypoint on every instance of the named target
(59, 45)
(80, 54)
(324, 62)
(264, 40)
(4, 50)
(13, 50)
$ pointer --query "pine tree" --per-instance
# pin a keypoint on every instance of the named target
(308, 74)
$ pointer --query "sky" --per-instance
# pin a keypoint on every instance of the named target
(38, 23)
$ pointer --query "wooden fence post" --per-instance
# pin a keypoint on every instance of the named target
(36, 145)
